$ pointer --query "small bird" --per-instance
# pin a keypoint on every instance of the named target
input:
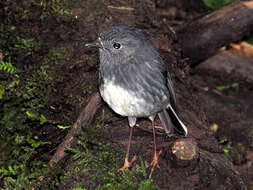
(134, 82)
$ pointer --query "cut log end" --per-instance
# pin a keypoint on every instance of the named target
(184, 151)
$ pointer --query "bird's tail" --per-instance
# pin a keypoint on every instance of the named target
(171, 122)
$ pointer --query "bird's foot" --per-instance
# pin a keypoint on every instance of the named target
(154, 163)
(127, 164)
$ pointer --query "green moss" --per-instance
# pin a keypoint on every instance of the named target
(28, 44)
(2, 89)
(216, 4)
(88, 90)
(59, 54)
(39, 89)
(21, 144)
(235, 152)
(18, 143)
(26, 98)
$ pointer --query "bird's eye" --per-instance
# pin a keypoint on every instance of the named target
(116, 45)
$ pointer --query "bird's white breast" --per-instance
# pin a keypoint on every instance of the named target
(123, 102)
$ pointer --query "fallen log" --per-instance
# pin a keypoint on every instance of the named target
(229, 63)
(201, 38)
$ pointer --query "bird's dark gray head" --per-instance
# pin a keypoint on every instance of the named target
(118, 44)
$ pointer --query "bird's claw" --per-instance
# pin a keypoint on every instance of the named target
(154, 163)
(127, 164)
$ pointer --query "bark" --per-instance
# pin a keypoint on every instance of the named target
(229, 63)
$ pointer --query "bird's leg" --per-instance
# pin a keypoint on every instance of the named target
(128, 164)
(154, 162)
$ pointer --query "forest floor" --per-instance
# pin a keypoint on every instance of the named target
(56, 74)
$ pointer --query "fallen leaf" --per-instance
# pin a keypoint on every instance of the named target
(243, 48)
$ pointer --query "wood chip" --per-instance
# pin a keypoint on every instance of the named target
(120, 8)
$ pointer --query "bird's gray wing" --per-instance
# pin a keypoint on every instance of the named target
(159, 64)
(173, 101)
(171, 122)
(166, 122)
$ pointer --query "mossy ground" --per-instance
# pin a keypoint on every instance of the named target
(45, 76)
(38, 44)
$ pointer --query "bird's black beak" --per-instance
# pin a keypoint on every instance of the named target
(94, 44)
